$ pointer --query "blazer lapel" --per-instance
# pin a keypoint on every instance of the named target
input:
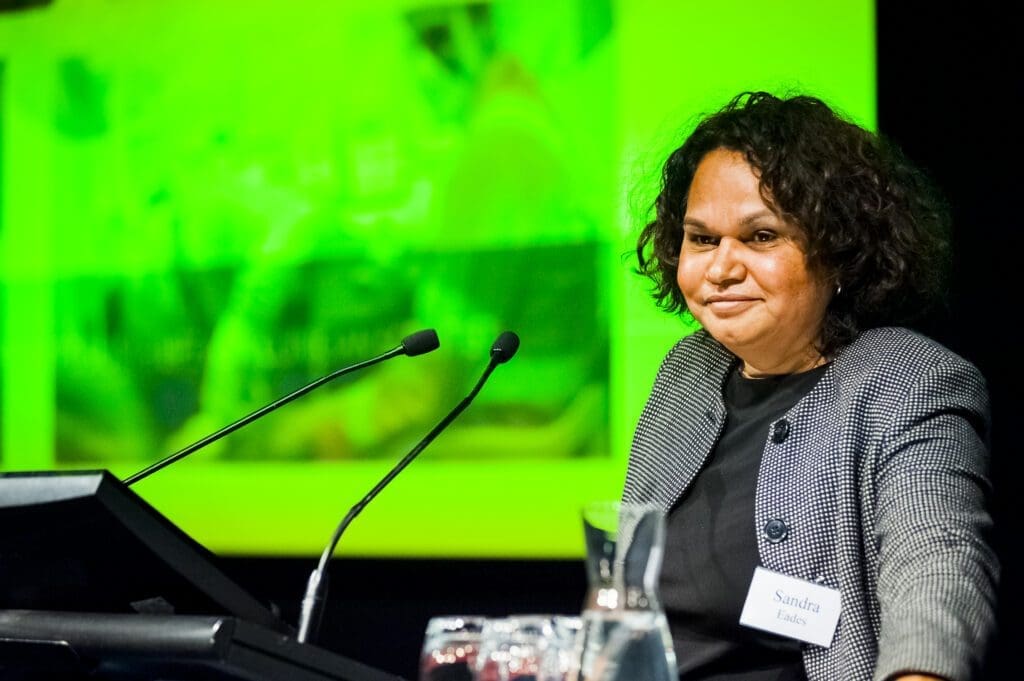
(680, 423)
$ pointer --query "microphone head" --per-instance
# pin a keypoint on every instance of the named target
(420, 342)
(504, 347)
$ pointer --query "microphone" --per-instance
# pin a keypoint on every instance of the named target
(503, 349)
(414, 344)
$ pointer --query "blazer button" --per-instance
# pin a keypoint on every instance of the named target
(780, 431)
(775, 530)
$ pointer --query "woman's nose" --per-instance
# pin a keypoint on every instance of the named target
(727, 263)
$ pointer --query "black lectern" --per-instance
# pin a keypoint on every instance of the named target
(96, 583)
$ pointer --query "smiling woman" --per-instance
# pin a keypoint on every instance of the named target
(802, 440)
(743, 271)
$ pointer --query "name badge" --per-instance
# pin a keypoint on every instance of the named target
(791, 607)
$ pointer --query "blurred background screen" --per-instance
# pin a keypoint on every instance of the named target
(206, 205)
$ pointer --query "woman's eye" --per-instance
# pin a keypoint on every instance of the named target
(701, 239)
(764, 236)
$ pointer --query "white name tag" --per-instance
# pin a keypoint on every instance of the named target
(791, 607)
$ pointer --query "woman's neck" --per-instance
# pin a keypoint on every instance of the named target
(792, 365)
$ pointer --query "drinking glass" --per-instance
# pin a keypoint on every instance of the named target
(527, 647)
(450, 647)
(567, 628)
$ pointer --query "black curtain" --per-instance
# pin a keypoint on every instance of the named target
(949, 78)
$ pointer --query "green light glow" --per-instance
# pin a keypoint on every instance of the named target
(204, 206)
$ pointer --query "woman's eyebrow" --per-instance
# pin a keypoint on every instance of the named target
(759, 215)
(746, 221)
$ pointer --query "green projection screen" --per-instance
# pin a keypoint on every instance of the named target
(204, 206)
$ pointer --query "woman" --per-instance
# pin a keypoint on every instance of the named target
(800, 431)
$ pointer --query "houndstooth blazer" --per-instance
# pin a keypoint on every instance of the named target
(875, 483)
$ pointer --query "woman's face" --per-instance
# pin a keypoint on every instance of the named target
(743, 271)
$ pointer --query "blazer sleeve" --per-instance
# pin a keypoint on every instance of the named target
(937, 571)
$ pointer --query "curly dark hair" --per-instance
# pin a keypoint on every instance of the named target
(874, 222)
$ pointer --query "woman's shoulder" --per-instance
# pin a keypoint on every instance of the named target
(894, 361)
(898, 348)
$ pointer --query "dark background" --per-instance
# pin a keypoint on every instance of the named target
(948, 79)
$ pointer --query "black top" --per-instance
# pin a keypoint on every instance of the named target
(711, 544)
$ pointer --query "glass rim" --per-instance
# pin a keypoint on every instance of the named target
(462, 624)
(607, 515)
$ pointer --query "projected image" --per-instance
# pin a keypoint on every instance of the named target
(240, 233)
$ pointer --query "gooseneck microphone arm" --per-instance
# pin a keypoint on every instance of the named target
(316, 589)
(415, 344)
